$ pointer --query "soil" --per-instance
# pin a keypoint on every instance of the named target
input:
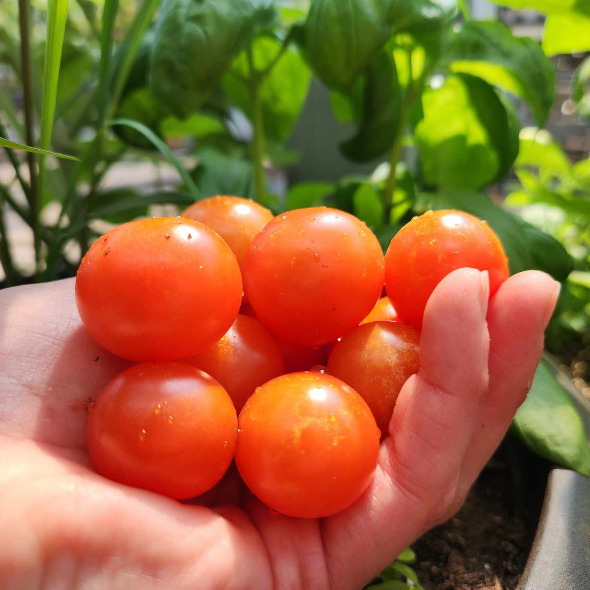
(486, 545)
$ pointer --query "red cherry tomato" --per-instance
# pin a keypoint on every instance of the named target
(301, 358)
(165, 427)
(246, 357)
(313, 274)
(430, 247)
(383, 311)
(376, 359)
(235, 219)
(307, 445)
(158, 289)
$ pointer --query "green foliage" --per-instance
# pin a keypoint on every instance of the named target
(342, 38)
(549, 424)
(380, 122)
(478, 142)
(568, 32)
(282, 92)
(490, 51)
(398, 575)
(581, 89)
(196, 42)
(21, 146)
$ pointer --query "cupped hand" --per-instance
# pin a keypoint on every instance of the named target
(64, 526)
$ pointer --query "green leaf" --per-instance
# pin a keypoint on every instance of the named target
(381, 112)
(390, 585)
(141, 106)
(567, 33)
(197, 125)
(222, 174)
(549, 424)
(538, 149)
(580, 277)
(341, 38)
(21, 146)
(368, 205)
(56, 24)
(540, 5)
(308, 194)
(195, 43)
(479, 139)
(282, 92)
(407, 555)
(163, 149)
(121, 205)
(422, 16)
(490, 51)
(581, 89)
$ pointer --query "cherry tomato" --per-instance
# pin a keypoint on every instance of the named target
(376, 359)
(158, 289)
(430, 247)
(247, 356)
(307, 445)
(383, 311)
(235, 219)
(301, 358)
(313, 274)
(165, 427)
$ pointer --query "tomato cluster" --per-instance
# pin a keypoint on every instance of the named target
(310, 355)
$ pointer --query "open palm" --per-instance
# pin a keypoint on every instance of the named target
(64, 526)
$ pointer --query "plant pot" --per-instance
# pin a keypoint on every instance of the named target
(560, 556)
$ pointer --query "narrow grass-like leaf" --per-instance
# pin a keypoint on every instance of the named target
(163, 149)
(56, 24)
(106, 51)
(10, 111)
(21, 146)
(130, 47)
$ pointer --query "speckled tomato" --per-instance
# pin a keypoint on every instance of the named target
(164, 427)
(429, 248)
(313, 274)
(158, 289)
(235, 219)
(376, 360)
(307, 445)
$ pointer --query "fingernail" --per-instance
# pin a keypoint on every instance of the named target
(484, 291)
(551, 302)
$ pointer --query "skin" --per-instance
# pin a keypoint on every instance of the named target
(71, 528)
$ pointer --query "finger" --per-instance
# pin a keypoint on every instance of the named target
(431, 428)
(50, 367)
(517, 318)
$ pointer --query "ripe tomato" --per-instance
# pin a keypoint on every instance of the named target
(307, 445)
(376, 359)
(247, 356)
(158, 289)
(430, 247)
(383, 311)
(301, 358)
(165, 427)
(313, 274)
(235, 219)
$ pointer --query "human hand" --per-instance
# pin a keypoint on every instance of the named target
(63, 525)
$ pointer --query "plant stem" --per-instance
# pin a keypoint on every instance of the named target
(33, 196)
(394, 156)
(257, 131)
(5, 256)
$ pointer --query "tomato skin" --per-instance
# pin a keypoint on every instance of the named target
(313, 274)
(307, 445)
(164, 427)
(301, 358)
(235, 219)
(158, 289)
(244, 358)
(429, 248)
(383, 311)
(376, 359)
